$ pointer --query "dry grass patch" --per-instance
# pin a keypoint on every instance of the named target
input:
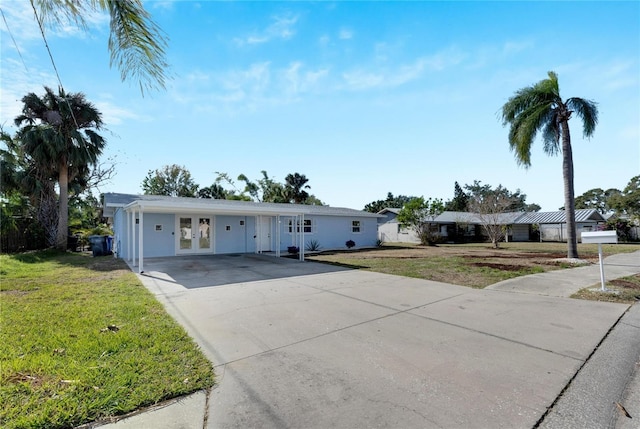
(475, 265)
(625, 290)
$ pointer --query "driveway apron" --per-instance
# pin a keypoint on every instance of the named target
(301, 344)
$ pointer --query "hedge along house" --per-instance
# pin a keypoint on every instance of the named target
(147, 226)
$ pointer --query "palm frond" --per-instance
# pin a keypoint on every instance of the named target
(551, 134)
(530, 110)
(136, 43)
(587, 110)
(61, 12)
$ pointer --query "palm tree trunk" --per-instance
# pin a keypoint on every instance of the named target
(569, 200)
(63, 207)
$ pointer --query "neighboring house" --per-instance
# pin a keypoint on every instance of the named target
(553, 225)
(468, 226)
(391, 231)
(521, 226)
(152, 226)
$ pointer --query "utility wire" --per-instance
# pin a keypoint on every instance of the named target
(46, 44)
(14, 40)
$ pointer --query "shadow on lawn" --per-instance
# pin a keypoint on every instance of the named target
(75, 259)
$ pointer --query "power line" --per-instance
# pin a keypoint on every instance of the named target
(14, 40)
(46, 44)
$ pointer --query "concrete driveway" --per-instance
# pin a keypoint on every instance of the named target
(310, 345)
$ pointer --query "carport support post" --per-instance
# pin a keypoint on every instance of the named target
(604, 289)
(302, 237)
(278, 227)
(132, 242)
(140, 242)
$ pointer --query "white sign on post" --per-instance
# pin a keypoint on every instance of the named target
(600, 237)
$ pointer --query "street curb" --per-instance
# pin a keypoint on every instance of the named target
(185, 412)
(589, 401)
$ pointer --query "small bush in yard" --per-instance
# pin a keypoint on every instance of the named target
(350, 244)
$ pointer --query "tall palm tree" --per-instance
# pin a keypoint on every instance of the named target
(58, 133)
(136, 43)
(540, 108)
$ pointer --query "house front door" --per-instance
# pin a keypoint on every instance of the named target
(264, 244)
(194, 234)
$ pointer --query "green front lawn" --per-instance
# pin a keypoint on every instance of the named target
(81, 339)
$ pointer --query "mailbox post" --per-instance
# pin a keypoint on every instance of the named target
(600, 237)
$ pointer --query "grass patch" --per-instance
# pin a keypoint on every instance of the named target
(625, 290)
(83, 340)
(475, 264)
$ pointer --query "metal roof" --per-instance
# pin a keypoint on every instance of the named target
(582, 215)
(161, 203)
(389, 210)
(521, 218)
(466, 217)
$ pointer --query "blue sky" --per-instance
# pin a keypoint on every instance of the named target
(364, 98)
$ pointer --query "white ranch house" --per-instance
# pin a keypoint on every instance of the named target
(520, 225)
(147, 226)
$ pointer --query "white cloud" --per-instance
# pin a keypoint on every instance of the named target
(620, 75)
(297, 81)
(116, 114)
(514, 47)
(363, 79)
(324, 40)
(444, 59)
(345, 34)
(16, 83)
(163, 4)
(282, 27)
(256, 86)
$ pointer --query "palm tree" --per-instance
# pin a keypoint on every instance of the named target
(540, 108)
(58, 134)
(295, 185)
(136, 43)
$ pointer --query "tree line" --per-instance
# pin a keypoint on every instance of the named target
(489, 204)
(176, 181)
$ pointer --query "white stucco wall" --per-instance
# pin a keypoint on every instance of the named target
(331, 232)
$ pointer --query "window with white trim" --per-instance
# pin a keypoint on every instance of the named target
(356, 226)
(308, 226)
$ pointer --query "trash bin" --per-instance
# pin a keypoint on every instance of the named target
(98, 245)
(109, 244)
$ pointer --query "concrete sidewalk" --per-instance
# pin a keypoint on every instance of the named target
(359, 349)
(564, 283)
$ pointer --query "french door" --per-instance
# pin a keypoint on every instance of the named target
(194, 234)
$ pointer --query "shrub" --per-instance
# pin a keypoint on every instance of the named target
(313, 246)
(350, 244)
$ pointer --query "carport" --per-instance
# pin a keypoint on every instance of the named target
(135, 211)
(151, 226)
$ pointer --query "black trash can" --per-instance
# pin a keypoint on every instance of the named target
(98, 245)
